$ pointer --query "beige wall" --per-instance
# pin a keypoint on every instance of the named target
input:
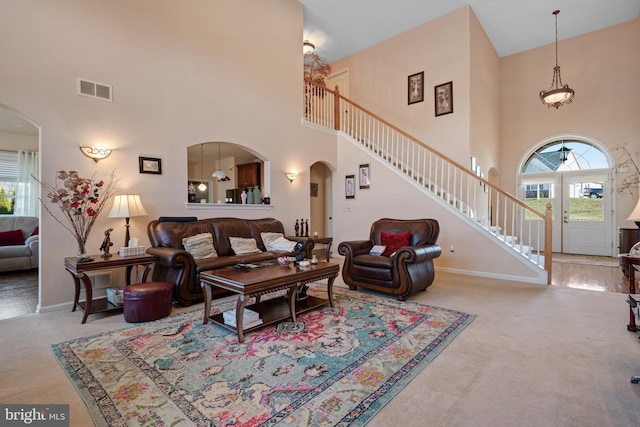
(603, 67)
(182, 73)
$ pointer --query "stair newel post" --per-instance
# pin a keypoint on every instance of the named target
(336, 108)
(547, 242)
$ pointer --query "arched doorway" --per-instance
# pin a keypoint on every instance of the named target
(19, 148)
(574, 175)
(320, 199)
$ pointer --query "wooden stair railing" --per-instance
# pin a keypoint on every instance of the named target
(497, 212)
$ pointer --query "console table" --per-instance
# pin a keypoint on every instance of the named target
(79, 270)
(632, 261)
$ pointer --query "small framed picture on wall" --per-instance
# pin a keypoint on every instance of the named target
(416, 88)
(364, 176)
(443, 96)
(150, 165)
(350, 186)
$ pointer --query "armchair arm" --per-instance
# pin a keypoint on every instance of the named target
(415, 254)
(413, 268)
(355, 247)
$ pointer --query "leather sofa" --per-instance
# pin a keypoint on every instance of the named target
(20, 253)
(176, 265)
(402, 273)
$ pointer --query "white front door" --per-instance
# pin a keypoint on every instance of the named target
(586, 214)
(581, 221)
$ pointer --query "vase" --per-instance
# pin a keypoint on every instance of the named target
(82, 251)
(243, 196)
(257, 195)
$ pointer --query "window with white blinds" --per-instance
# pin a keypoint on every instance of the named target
(8, 181)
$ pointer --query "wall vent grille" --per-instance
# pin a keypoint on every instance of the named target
(95, 90)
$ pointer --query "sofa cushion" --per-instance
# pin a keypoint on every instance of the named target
(394, 241)
(244, 246)
(282, 244)
(200, 246)
(269, 237)
(11, 238)
(15, 251)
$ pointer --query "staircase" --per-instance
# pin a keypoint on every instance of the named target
(490, 210)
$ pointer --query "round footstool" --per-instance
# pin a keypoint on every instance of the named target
(148, 301)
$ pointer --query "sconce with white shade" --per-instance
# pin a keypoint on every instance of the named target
(291, 176)
(308, 47)
(127, 206)
(95, 153)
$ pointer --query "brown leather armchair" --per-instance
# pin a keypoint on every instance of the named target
(408, 270)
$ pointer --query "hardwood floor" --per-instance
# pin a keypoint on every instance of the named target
(593, 273)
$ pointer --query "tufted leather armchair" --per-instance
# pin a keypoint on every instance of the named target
(408, 271)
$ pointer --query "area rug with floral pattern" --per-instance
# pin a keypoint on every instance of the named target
(339, 366)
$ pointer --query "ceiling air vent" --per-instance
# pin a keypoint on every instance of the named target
(94, 90)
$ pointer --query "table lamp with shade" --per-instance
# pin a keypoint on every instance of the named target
(635, 214)
(127, 206)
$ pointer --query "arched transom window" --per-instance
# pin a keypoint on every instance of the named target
(565, 155)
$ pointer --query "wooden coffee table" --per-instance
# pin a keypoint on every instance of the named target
(262, 280)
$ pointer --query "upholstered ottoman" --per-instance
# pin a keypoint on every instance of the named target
(147, 301)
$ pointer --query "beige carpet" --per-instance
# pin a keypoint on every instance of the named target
(536, 355)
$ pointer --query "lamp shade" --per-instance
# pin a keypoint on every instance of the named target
(635, 214)
(127, 206)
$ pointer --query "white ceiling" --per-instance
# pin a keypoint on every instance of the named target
(340, 28)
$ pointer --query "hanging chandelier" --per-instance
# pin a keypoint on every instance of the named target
(558, 94)
(202, 186)
(219, 174)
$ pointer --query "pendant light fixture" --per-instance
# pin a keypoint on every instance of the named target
(558, 94)
(202, 186)
(219, 174)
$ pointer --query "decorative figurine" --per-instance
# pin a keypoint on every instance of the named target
(306, 228)
(106, 243)
(299, 251)
(297, 228)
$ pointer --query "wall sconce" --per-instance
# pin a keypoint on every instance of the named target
(291, 176)
(308, 47)
(95, 153)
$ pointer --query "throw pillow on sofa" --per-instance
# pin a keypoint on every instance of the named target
(277, 242)
(11, 238)
(244, 246)
(393, 242)
(200, 246)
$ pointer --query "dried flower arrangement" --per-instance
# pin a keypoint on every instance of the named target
(316, 68)
(80, 200)
(631, 179)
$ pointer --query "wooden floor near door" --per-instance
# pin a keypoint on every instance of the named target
(588, 272)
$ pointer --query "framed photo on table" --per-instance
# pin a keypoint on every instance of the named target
(350, 186)
(150, 165)
(415, 86)
(364, 176)
(443, 96)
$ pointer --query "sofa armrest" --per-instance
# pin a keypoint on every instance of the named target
(33, 242)
(354, 247)
(177, 266)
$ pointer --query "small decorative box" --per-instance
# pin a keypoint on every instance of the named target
(134, 251)
(114, 296)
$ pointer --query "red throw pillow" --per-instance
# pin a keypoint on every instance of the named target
(36, 231)
(393, 242)
(11, 238)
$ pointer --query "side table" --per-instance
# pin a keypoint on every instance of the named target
(326, 241)
(79, 270)
(632, 261)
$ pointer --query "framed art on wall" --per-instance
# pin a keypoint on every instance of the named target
(150, 165)
(415, 86)
(350, 186)
(314, 189)
(365, 176)
(443, 96)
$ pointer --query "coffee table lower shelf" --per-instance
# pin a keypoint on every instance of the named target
(273, 311)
